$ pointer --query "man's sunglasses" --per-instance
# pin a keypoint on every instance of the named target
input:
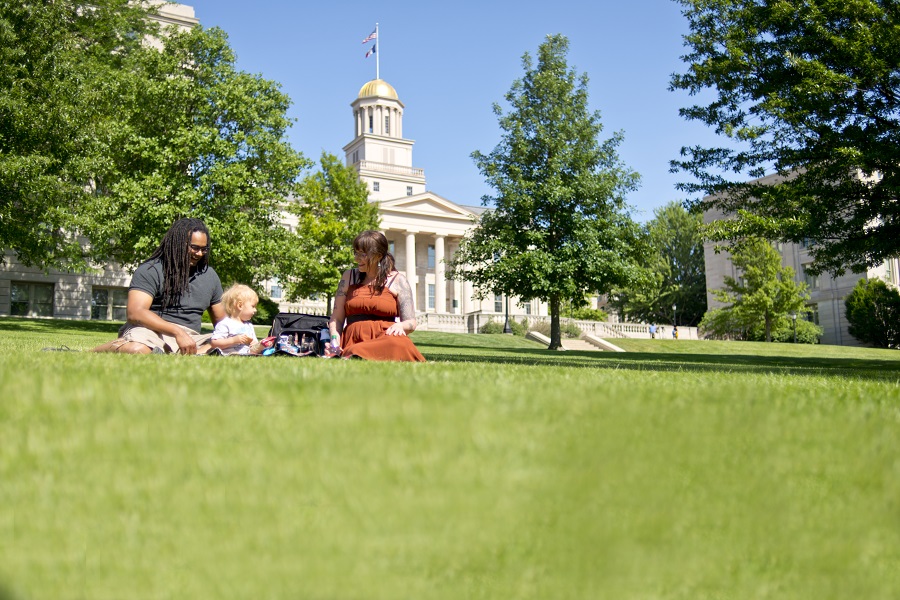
(196, 248)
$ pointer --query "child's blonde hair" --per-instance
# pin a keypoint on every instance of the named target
(235, 297)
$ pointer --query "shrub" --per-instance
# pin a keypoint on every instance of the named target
(589, 314)
(807, 332)
(497, 327)
(873, 311)
(265, 311)
(567, 329)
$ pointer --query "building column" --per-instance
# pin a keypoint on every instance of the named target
(411, 265)
(440, 278)
(466, 300)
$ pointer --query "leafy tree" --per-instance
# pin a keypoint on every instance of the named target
(766, 293)
(559, 227)
(196, 137)
(105, 140)
(62, 68)
(873, 311)
(807, 90)
(722, 323)
(677, 271)
(332, 210)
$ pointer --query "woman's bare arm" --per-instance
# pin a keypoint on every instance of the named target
(336, 322)
(406, 306)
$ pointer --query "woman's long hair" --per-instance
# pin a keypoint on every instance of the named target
(176, 260)
(373, 243)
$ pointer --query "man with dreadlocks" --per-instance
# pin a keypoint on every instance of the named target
(169, 294)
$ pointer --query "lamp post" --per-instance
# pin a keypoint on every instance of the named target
(674, 316)
(794, 319)
(506, 327)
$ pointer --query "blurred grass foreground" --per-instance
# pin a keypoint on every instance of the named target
(498, 469)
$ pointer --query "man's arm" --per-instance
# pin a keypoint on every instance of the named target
(217, 312)
(138, 312)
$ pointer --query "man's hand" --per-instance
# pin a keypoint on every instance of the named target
(186, 344)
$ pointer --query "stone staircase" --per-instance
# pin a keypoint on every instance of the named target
(570, 344)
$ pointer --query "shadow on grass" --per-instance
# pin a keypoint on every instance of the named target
(54, 325)
(879, 370)
(6, 593)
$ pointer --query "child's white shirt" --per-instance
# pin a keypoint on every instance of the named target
(229, 327)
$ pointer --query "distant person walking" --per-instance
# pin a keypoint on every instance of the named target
(675, 333)
(652, 331)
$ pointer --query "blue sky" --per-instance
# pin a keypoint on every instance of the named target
(450, 62)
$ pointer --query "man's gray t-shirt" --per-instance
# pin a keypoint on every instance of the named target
(204, 290)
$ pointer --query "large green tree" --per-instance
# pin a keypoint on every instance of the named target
(197, 137)
(558, 227)
(765, 294)
(810, 90)
(677, 271)
(333, 208)
(105, 140)
(62, 68)
(873, 312)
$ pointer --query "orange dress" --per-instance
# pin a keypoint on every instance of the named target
(368, 316)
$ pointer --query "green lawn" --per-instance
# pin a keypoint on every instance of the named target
(498, 469)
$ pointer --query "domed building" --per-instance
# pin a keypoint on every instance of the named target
(423, 228)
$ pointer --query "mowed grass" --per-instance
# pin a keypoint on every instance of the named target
(496, 470)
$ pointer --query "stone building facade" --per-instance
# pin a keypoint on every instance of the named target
(827, 292)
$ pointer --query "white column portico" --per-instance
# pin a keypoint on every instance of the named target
(411, 262)
(440, 283)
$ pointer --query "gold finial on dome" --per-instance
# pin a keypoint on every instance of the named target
(378, 87)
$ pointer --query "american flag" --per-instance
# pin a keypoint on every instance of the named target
(370, 52)
(371, 36)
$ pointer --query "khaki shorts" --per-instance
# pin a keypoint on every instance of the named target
(159, 343)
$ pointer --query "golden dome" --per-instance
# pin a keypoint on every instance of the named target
(379, 88)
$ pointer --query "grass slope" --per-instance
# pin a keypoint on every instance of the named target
(496, 470)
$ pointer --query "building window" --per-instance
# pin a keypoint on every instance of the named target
(812, 313)
(275, 291)
(431, 296)
(498, 303)
(31, 299)
(812, 281)
(387, 126)
(356, 156)
(528, 308)
(376, 186)
(391, 247)
(371, 124)
(889, 273)
(430, 257)
(409, 190)
(108, 304)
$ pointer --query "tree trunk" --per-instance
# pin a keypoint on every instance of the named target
(328, 305)
(768, 327)
(555, 333)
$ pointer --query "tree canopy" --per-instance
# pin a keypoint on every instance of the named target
(332, 210)
(676, 272)
(810, 91)
(558, 227)
(61, 70)
(136, 137)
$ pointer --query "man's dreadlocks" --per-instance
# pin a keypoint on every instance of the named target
(176, 260)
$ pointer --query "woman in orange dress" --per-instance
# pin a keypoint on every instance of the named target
(373, 307)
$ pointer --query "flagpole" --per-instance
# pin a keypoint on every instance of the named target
(377, 55)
